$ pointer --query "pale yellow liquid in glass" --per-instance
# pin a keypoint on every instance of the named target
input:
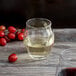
(39, 47)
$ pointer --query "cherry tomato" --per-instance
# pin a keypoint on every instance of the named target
(2, 34)
(11, 29)
(11, 35)
(12, 58)
(3, 41)
(20, 36)
(2, 28)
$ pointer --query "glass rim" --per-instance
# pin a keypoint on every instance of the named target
(69, 60)
(27, 22)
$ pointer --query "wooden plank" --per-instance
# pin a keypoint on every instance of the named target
(24, 60)
(30, 71)
(65, 35)
(25, 75)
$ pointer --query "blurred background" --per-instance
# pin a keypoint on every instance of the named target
(62, 13)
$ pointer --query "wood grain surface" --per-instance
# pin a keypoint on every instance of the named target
(25, 66)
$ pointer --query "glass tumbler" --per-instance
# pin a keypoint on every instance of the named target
(39, 39)
(67, 65)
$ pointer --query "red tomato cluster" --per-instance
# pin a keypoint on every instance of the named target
(13, 34)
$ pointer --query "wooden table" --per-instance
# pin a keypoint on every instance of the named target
(64, 39)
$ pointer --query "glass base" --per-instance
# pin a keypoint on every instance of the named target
(38, 57)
